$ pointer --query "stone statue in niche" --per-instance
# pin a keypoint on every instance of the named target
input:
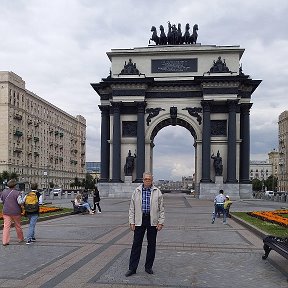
(129, 165)
(218, 166)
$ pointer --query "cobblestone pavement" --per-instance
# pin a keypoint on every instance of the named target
(93, 250)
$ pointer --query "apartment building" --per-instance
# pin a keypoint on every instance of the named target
(39, 141)
(283, 151)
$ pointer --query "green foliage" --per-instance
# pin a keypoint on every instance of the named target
(271, 183)
(89, 182)
(6, 176)
(256, 184)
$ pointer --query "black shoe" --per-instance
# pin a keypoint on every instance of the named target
(130, 272)
(149, 270)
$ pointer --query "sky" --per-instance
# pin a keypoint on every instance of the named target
(59, 47)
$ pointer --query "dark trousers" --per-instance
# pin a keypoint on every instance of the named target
(139, 233)
(98, 205)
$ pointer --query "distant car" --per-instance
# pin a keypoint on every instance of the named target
(269, 193)
(57, 191)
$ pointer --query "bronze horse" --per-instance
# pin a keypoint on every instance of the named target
(174, 35)
(154, 37)
(194, 36)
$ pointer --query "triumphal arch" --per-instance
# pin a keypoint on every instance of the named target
(202, 88)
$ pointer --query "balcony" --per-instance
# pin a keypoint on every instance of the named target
(17, 116)
(18, 149)
(18, 133)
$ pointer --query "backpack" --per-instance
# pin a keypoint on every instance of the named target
(31, 203)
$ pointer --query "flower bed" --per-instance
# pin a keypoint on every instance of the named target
(276, 216)
(42, 210)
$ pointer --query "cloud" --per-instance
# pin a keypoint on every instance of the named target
(59, 48)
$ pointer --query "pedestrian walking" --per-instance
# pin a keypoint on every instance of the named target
(219, 206)
(96, 200)
(146, 213)
(12, 199)
(31, 207)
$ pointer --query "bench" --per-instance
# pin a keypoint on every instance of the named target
(278, 244)
(78, 209)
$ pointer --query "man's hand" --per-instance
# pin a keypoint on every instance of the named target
(132, 227)
(159, 227)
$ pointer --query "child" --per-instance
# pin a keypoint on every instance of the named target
(227, 205)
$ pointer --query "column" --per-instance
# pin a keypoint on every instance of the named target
(245, 143)
(105, 135)
(231, 154)
(140, 160)
(116, 146)
(206, 141)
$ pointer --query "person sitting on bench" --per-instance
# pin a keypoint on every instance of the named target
(80, 203)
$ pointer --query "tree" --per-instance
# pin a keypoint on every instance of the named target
(89, 181)
(256, 184)
(271, 183)
(6, 176)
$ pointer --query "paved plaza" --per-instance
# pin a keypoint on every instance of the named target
(93, 250)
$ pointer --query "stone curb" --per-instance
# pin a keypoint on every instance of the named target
(249, 226)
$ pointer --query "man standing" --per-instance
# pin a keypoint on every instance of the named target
(219, 206)
(146, 212)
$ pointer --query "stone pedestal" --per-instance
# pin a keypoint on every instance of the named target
(219, 180)
(128, 179)
(117, 190)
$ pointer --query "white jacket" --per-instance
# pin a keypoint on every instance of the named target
(157, 215)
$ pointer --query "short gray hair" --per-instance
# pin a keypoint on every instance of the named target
(147, 173)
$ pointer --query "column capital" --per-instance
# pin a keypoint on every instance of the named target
(140, 106)
(116, 106)
(206, 104)
(104, 108)
(232, 104)
(245, 107)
